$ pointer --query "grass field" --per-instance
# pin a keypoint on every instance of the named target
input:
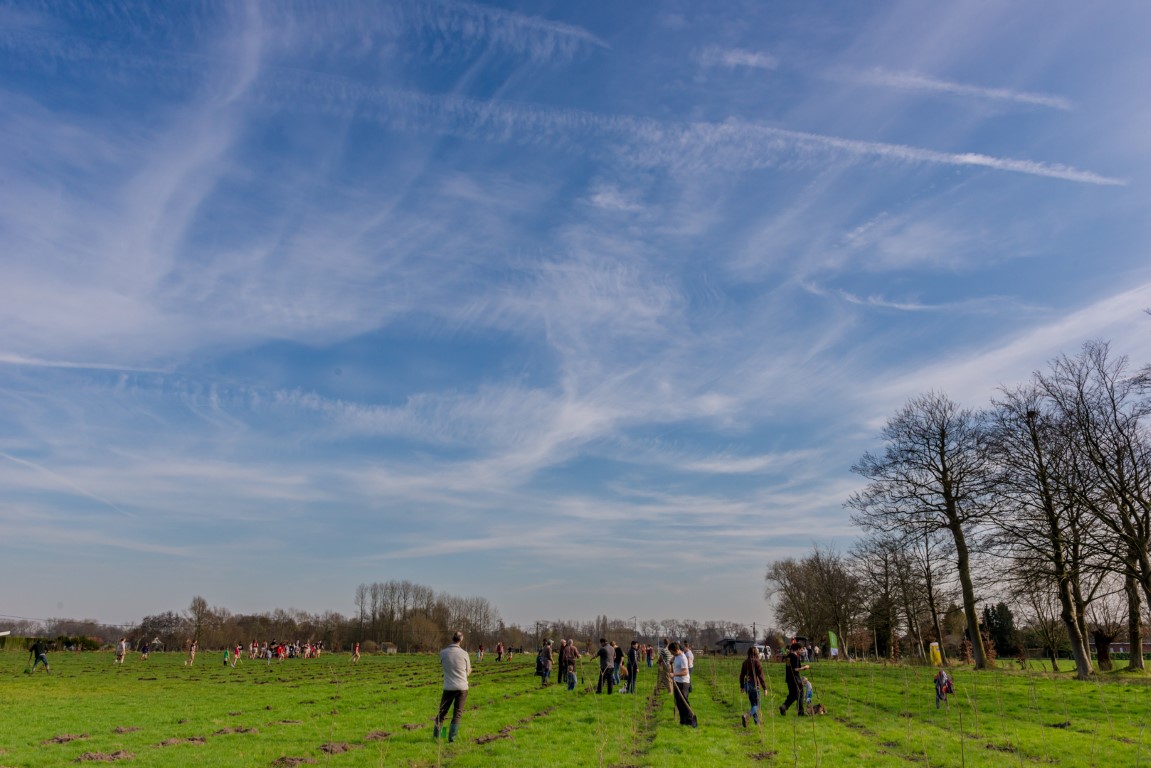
(378, 713)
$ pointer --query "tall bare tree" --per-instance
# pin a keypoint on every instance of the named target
(932, 476)
(199, 617)
(815, 594)
(1038, 519)
(1106, 408)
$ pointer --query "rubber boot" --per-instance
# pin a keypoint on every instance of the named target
(455, 728)
(435, 730)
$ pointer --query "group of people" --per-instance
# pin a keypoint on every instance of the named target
(617, 668)
(753, 683)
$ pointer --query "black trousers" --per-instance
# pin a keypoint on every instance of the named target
(681, 691)
(793, 695)
(605, 675)
(454, 699)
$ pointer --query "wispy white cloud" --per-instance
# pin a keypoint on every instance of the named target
(915, 82)
(738, 464)
(32, 362)
(736, 57)
(60, 480)
(701, 146)
(611, 198)
(974, 376)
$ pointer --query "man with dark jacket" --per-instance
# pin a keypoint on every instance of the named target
(38, 653)
(793, 665)
(632, 665)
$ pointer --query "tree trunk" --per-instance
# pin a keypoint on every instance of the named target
(1103, 648)
(931, 606)
(1134, 628)
(963, 565)
(1067, 601)
(1079, 649)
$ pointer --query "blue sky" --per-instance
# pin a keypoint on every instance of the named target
(583, 308)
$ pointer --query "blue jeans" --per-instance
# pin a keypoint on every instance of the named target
(631, 678)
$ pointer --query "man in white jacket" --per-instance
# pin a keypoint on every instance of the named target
(457, 666)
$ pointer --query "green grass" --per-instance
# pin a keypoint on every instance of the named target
(166, 714)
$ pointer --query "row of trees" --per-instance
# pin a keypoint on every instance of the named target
(409, 616)
(1042, 498)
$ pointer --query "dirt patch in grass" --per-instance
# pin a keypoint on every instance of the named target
(504, 733)
(288, 722)
(289, 762)
(104, 757)
(188, 740)
(763, 756)
(237, 729)
(413, 726)
(1001, 747)
(64, 738)
(335, 748)
(125, 729)
(377, 735)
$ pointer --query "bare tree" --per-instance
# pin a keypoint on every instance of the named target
(198, 616)
(1106, 407)
(815, 594)
(1037, 515)
(1046, 620)
(876, 564)
(1105, 620)
(932, 476)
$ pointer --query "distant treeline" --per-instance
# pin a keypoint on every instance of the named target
(394, 614)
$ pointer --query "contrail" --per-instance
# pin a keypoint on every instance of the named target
(69, 483)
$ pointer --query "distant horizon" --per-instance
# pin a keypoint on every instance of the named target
(584, 309)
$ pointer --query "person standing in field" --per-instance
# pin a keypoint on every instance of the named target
(546, 662)
(664, 672)
(121, 651)
(571, 656)
(617, 661)
(690, 659)
(681, 679)
(500, 651)
(606, 666)
(192, 653)
(356, 653)
(457, 666)
(39, 655)
(793, 665)
(632, 665)
(751, 682)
